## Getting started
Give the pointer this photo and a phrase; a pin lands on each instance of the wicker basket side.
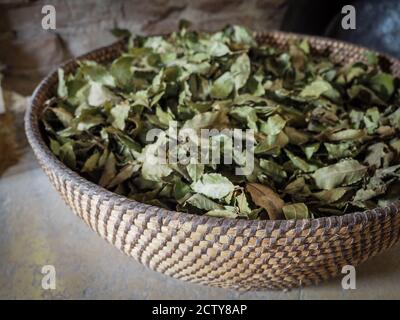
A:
(233, 255)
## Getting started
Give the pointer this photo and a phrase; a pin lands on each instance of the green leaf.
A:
(300, 163)
(195, 171)
(344, 173)
(383, 83)
(318, 88)
(298, 186)
(330, 196)
(55, 147)
(223, 86)
(218, 49)
(243, 36)
(164, 117)
(202, 120)
(64, 116)
(242, 204)
(363, 93)
(67, 154)
(201, 202)
(125, 173)
(372, 58)
(379, 155)
(295, 211)
(154, 165)
(110, 170)
(347, 135)
(247, 115)
(240, 70)
(213, 185)
(341, 150)
(120, 113)
(97, 73)
(274, 170)
(98, 95)
(378, 184)
(91, 163)
(62, 89)
(222, 214)
(274, 125)
(371, 119)
(181, 191)
(121, 70)
(272, 144)
(310, 149)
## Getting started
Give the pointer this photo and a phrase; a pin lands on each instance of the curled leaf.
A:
(266, 198)
(295, 211)
(213, 185)
(344, 173)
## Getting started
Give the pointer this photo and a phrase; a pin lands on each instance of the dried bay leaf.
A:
(219, 213)
(344, 173)
(300, 163)
(202, 202)
(242, 204)
(379, 155)
(240, 70)
(91, 163)
(274, 125)
(266, 198)
(383, 83)
(223, 86)
(123, 175)
(202, 120)
(213, 185)
(332, 195)
(63, 115)
(195, 170)
(67, 154)
(348, 134)
(295, 211)
(273, 170)
(110, 170)
(120, 113)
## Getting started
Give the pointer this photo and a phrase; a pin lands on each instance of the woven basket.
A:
(239, 254)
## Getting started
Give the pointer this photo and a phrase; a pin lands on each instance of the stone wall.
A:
(29, 52)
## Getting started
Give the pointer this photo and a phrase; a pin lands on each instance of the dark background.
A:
(378, 22)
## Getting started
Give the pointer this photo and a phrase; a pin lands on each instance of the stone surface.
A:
(37, 229)
(12, 134)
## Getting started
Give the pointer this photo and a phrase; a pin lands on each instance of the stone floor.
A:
(37, 228)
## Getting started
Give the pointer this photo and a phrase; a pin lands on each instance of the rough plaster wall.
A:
(29, 52)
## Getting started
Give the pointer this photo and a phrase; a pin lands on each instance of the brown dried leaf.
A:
(266, 198)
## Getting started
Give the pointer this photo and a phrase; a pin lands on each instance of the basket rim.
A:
(43, 152)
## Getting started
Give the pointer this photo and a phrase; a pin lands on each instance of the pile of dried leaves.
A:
(327, 135)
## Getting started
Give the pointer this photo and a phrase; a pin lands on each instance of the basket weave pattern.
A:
(239, 254)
